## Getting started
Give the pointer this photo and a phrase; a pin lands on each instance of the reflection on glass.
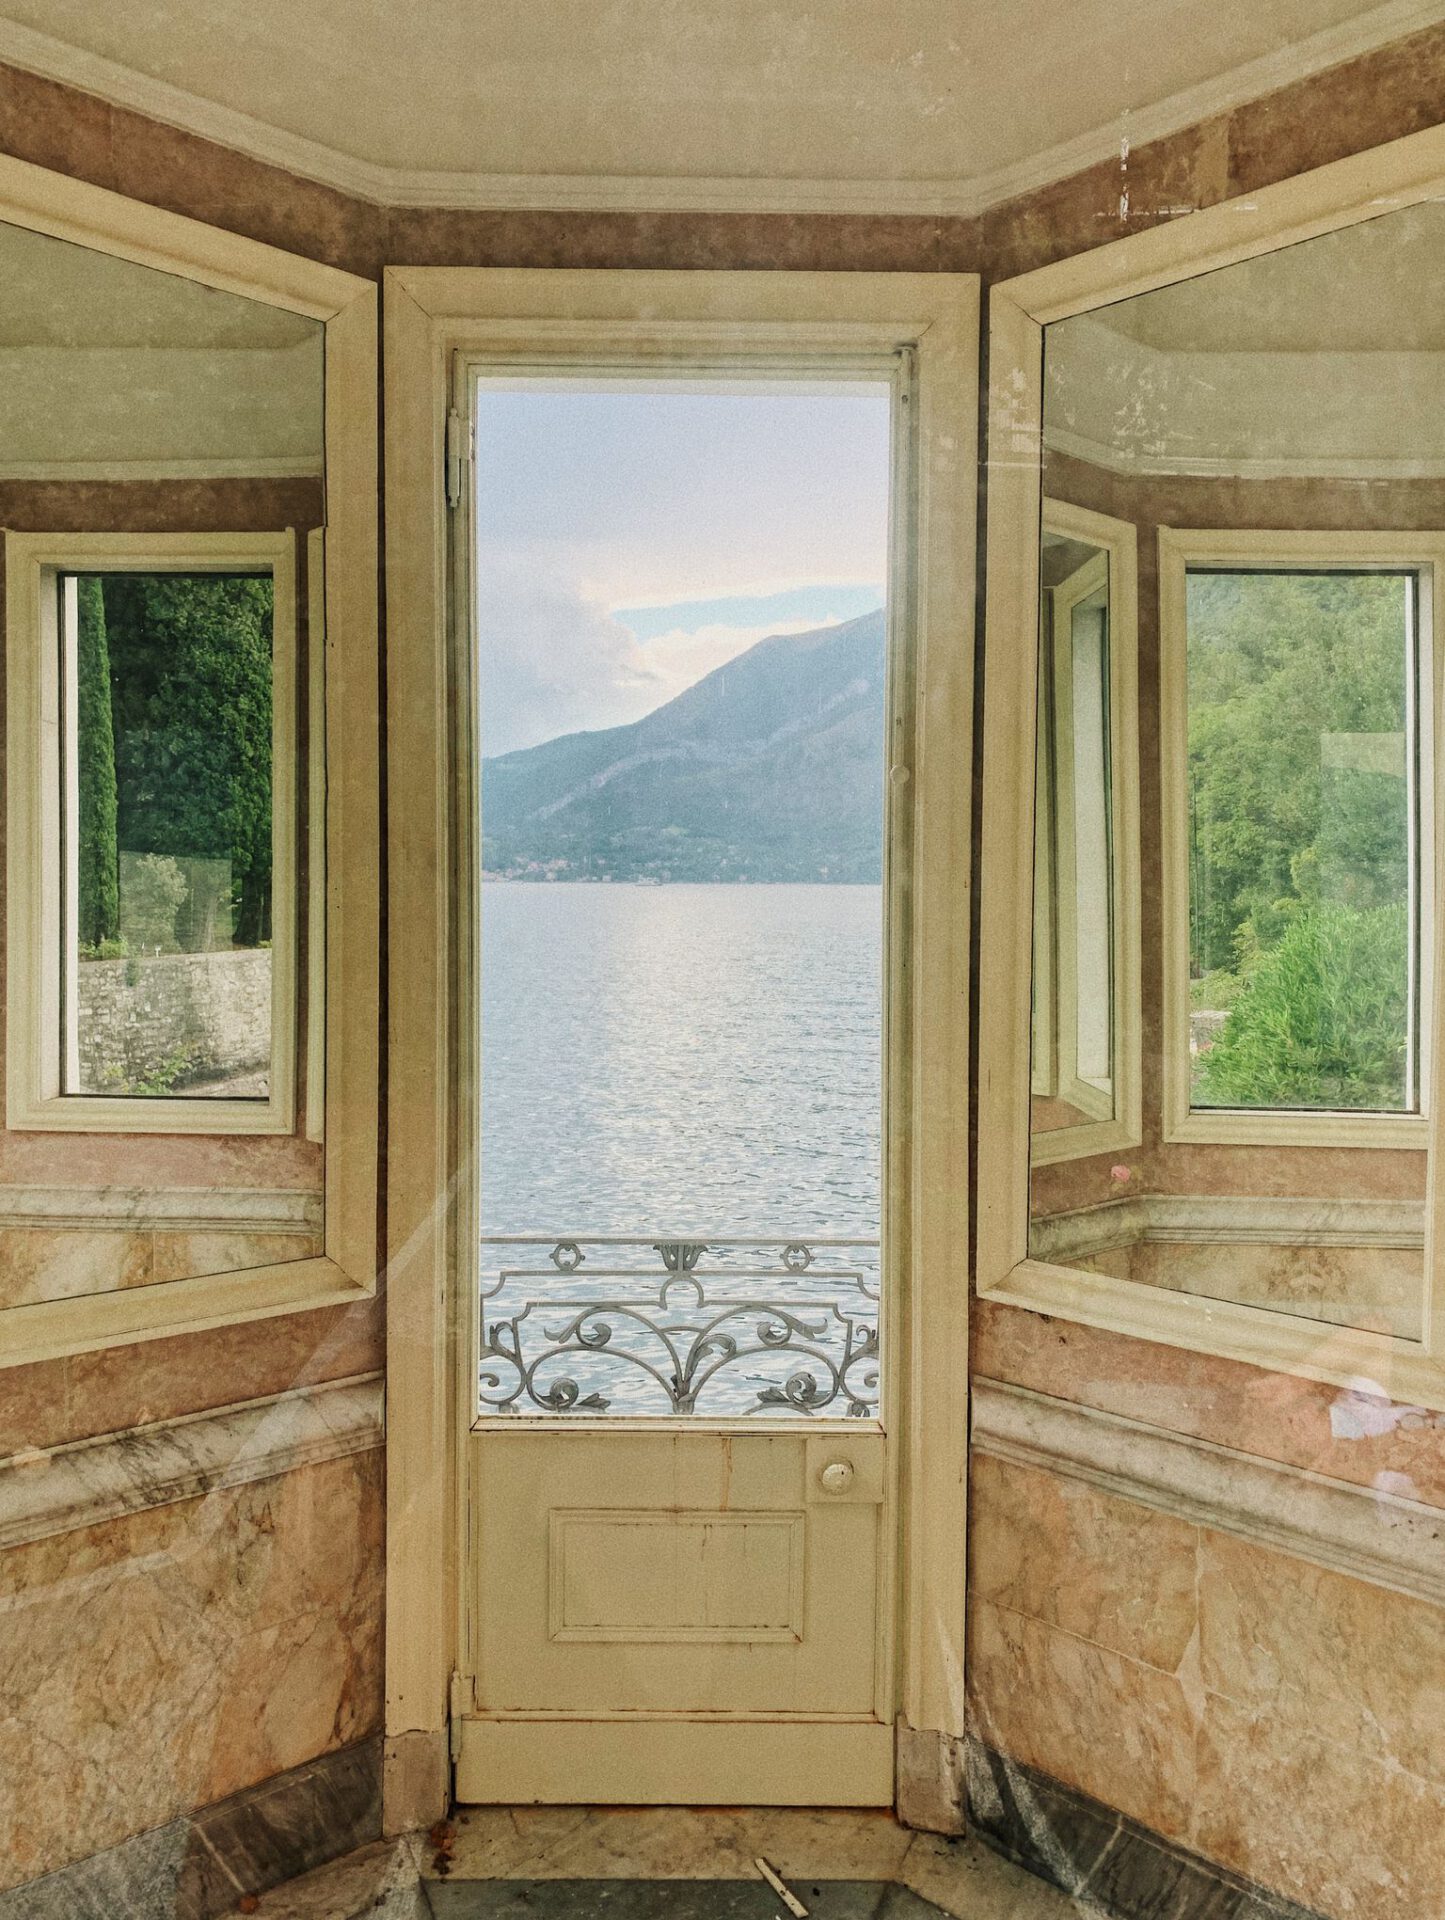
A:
(1272, 430)
(1303, 882)
(167, 813)
(1073, 1050)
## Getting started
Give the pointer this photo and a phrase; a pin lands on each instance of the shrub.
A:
(152, 889)
(1322, 1018)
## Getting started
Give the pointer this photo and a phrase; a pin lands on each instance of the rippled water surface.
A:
(680, 1059)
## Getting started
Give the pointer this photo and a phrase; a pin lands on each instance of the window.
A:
(157, 917)
(1085, 1024)
(1299, 748)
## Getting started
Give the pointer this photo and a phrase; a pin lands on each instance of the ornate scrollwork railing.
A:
(592, 1324)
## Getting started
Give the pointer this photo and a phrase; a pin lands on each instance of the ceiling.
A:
(866, 105)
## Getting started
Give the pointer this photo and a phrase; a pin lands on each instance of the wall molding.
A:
(46, 1491)
(125, 87)
(1364, 1532)
(166, 1209)
(1183, 466)
(1227, 1220)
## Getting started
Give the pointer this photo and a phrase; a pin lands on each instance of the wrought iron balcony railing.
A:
(637, 1325)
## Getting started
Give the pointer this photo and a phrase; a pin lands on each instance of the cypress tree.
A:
(192, 661)
(98, 903)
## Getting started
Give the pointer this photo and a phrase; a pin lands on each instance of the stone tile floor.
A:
(667, 1863)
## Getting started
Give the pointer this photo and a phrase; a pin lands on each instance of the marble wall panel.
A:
(1131, 1571)
(1113, 1727)
(157, 1663)
(1294, 1732)
(1378, 1288)
(62, 1263)
(55, 1401)
(58, 1263)
(1348, 1836)
(1361, 1666)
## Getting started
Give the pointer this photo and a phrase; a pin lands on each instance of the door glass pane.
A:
(682, 682)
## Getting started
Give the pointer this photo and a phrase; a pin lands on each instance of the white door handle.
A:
(836, 1477)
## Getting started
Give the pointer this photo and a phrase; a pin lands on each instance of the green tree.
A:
(1322, 1018)
(1297, 688)
(97, 900)
(192, 700)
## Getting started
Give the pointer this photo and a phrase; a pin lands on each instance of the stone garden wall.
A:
(174, 1016)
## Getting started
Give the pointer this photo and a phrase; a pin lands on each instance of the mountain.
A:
(768, 768)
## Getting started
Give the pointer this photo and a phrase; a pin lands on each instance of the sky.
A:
(629, 541)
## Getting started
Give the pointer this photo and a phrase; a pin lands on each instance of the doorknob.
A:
(843, 1470)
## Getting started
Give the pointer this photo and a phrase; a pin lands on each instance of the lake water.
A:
(681, 1063)
(680, 1059)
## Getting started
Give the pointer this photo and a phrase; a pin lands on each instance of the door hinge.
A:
(457, 453)
(459, 1705)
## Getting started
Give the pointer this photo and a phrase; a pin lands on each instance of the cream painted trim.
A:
(1405, 172)
(91, 216)
(772, 321)
(34, 1095)
(60, 1489)
(316, 834)
(677, 1762)
(172, 1209)
(1119, 540)
(41, 53)
(1178, 549)
(1365, 1532)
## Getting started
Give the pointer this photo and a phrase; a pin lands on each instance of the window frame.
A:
(38, 745)
(1321, 551)
(1118, 544)
(346, 306)
(1365, 186)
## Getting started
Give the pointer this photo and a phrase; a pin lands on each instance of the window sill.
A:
(51, 1329)
(1238, 1127)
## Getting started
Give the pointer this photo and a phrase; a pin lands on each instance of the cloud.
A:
(554, 661)
(550, 661)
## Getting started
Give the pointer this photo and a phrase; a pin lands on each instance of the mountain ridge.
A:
(768, 768)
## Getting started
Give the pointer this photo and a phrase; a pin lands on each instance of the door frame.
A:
(431, 314)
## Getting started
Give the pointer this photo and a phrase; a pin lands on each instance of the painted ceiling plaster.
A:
(836, 105)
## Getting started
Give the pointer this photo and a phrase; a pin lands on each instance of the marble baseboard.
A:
(1101, 1858)
(200, 1866)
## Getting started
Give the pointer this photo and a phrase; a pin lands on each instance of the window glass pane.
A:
(1302, 839)
(168, 701)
